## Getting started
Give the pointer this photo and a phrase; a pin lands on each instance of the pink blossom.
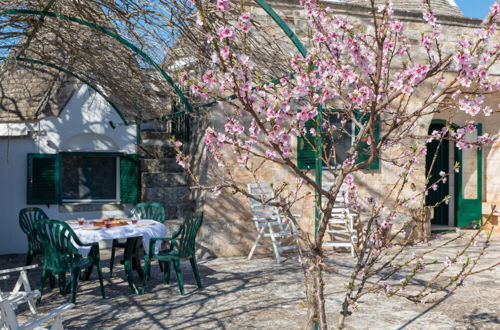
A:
(225, 33)
(223, 5)
(216, 192)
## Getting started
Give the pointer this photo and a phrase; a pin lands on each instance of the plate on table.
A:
(91, 228)
(143, 223)
(112, 222)
(71, 222)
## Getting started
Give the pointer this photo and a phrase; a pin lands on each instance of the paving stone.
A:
(259, 294)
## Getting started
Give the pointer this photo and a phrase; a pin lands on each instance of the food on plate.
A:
(112, 222)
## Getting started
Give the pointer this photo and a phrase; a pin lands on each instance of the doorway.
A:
(437, 159)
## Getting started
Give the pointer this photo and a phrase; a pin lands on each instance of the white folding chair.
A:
(9, 301)
(8, 320)
(268, 221)
(341, 231)
(16, 296)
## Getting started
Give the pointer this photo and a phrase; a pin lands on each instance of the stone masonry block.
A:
(151, 180)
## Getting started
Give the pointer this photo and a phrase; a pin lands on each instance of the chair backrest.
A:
(262, 192)
(27, 218)
(340, 209)
(187, 234)
(341, 199)
(58, 240)
(150, 211)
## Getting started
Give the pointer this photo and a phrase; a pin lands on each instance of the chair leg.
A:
(75, 276)
(112, 260)
(29, 258)
(275, 245)
(166, 272)
(42, 284)
(259, 236)
(52, 280)
(147, 267)
(62, 284)
(99, 274)
(178, 275)
(194, 265)
(161, 265)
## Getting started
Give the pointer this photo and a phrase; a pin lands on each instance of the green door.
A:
(437, 159)
(468, 182)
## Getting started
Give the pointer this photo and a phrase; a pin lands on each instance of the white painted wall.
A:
(82, 126)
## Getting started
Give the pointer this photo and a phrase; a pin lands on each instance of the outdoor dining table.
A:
(143, 230)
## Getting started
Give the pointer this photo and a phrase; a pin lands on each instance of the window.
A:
(338, 143)
(83, 177)
(89, 178)
(342, 140)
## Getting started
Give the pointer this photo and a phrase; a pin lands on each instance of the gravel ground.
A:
(259, 294)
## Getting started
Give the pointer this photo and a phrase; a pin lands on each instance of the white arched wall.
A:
(84, 126)
(90, 142)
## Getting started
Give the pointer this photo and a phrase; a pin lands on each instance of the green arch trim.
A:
(53, 66)
(110, 33)
(282, 24)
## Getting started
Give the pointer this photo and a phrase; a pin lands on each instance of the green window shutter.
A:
(43, 179)
(306, 155)
(129, 179)
(363, 147)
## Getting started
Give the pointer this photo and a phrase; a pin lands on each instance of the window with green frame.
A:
(83, 177)
(306, 150)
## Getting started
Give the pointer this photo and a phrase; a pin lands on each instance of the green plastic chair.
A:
(182, 246)
(27, 219)
(61, 256)
(150, 211)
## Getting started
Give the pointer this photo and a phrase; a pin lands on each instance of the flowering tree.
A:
(368, 85)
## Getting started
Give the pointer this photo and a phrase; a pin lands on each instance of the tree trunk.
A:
(314, 285)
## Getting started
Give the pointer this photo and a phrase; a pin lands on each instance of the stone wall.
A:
(162, 179)
(228, 228)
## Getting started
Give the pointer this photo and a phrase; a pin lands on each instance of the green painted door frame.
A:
(469, 208)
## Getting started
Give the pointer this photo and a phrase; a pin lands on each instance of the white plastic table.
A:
(144, 229)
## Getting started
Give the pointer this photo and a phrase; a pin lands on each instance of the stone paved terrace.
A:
(258, 294)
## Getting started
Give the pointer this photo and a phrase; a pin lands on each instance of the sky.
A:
(475, 8)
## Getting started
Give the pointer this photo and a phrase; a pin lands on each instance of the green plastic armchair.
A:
(61, 256)
(27, 218)
(182, 246)
(150, 211)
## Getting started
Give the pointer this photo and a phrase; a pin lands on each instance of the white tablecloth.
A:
(153, 229)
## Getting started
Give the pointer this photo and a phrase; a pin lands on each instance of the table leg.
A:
(129, 264)
(136, 258)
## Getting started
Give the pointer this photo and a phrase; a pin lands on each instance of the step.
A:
(178, 210)
(169, 195)
(160, 165)
(337, 243)
(156, 151)
(155, 135)
(151, 180)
